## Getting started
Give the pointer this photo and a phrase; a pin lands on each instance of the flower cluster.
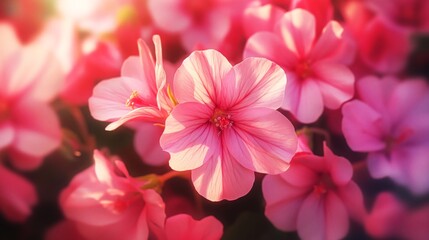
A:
(190, 119)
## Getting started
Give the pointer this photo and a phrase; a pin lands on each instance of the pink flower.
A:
(201, 24)
(317, 75)
(30, 79)
(17, 196)
(65, 230)
(183, 227)
(140, 94)
(105, 202)
(390, 218)
(226, 126)
(390, 122)
(315, 196)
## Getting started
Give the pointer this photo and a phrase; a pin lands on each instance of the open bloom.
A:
(315, 65)
(105, 202)
(226, 126)
(29, 78)
(183, 227)
(140, 94)
(390, 121)
(315, 196)
(17, 196)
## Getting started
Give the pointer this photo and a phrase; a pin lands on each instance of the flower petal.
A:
(303, 99)
(336, 83)
(362, 127)
(297, 28)
(262, 140)
(7, 133)
(188, 136)
(328, 41)
(146, 144)
(222, 177)
(198, 78)
(270, 46)
(147, 114)
(255, 82)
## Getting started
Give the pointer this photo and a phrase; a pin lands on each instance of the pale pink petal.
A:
(256, 82)
(303, 99)
(297, 29)
(9, 43)
(270, 46)
(341, 169)
(146, 144)
(162, 97)
(337, 219)
(148, 114)
(103, 168)
(169, 15)
(17, 196)
(336, 83)
(37, 129)
(141, 68)
(328, 41)
(37, 74)
(183, 226)
(198, 78)
(222, 177)
(189, 137)
(362, 127)
(375, 91)
(108, 101)
(311, 221)
(7, 133)
(261, 18)
(262, 140)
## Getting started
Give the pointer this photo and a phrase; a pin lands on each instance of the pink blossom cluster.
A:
(217, 119)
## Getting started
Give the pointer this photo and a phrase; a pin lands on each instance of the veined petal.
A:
(147, 114)
(256, 82)
(141, 68)
(298, 29)
(109, 98)
(222, 177)
(362, 127)
(189, 137)
(199, 77)
(262, 140)
(270, 46)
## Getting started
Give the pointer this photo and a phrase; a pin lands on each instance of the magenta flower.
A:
(317, 75)
(17, 196)
(390, 121)
(315, 196)
(183, 227)
(30, 79)
(105, 202)
(226, 126)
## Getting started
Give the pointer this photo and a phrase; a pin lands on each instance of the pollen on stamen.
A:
(134, 101)
(221, 120)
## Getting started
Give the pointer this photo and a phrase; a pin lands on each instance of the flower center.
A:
(392, 141)
(303, 70)
(134, 101)
(324, 185)
(221, 119)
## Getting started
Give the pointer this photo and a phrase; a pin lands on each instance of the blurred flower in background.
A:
(196, 118)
